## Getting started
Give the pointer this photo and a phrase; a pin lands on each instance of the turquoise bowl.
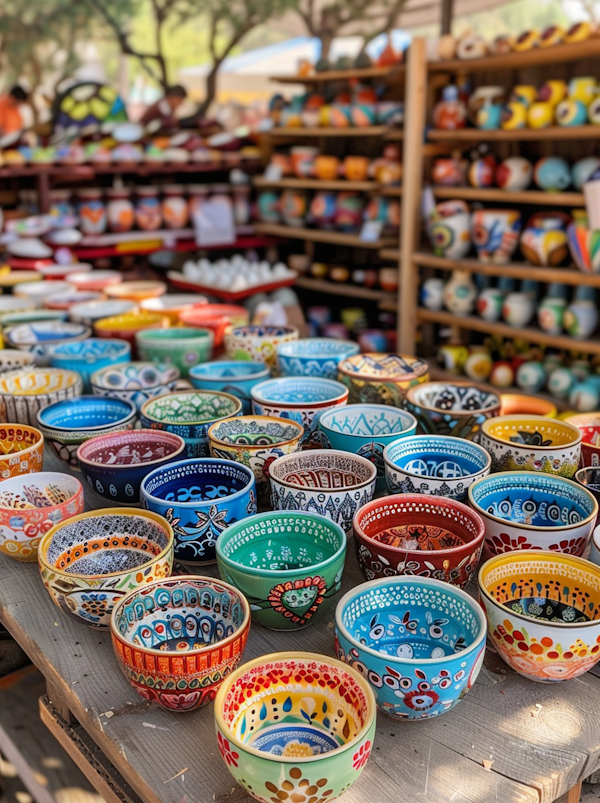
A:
(288, 565)
(314, 356)
(88, 356)
(366, 429)
(419, 642)
(237, 378)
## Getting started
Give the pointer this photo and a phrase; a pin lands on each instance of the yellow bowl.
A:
(136, 291)
(128, 323)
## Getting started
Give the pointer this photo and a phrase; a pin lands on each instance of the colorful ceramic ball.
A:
(593, 112)
(582, 170)
(560, 382)
(571, 112)
(531, 376)
(502, 375)
(514, 173)
(552, 174)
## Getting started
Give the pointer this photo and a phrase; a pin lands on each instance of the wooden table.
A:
(538, 741)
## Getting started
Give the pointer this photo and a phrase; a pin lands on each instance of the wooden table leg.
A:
(573, 795)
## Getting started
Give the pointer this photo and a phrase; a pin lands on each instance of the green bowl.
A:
(182, 347)
(288, 564)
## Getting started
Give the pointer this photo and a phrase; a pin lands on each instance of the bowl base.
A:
(293, 740)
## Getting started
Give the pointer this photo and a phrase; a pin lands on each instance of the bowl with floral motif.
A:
(415, 534)
(136, 382)
(237, 378)
(374, 378)
(182, 347)
(200, 498)
(176, 640)
(115, 464)
(328, 482)
(26, 391)
(92, 560)
(314, 356)
(543, 612)
(295, 726)
(419, 642)
(39, 337)
(88, 356)
(589, 426)
(438, 465)
(531, 510)
(257, 343)
(21, 450)
(532, 443)
(31, 505)
(457, 409)
(189, 414)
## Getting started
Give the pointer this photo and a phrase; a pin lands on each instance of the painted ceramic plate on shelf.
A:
(127, 132)
(181, 282)
(29, 248)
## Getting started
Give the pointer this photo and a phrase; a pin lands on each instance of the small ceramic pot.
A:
(581, 319)
(321, 210)
(550, 314)
(119, 210)
(314, 356)
(459, 293)
(135, 381)
(294, 206)
(552, 174)
(303, 160)
(432, 291)
(450, 236)
(583, 89)
(495, 234)
(540, 115)
(489, 303)
(348, 211)
(518, 309)
(514, 116)
(269, 207)
(481, 172)
(514, 174)
(448, 172)
(236, 378)
(175, 211)
(88, 356)
(258, 343)
(583, 170)
(148, 211)
(21, 449)
(450, 113)
(327, 167)
(458, 409)
(553, 92)
(374, 378)
(356, 168)
(24, 392)
(181, 347)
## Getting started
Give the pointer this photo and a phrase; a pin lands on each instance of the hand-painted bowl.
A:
(135, 381)
(181, 347)
(189, 414)
(10, 320)
(589, 477)
(458, 409)
(543, 612)
(14, 358)
(39, 338)
(89, 312)
(200, 498)
(530, 510)
(258, 343)
(295, 726)
(437, 465)
(94, 559)
(589, 426)
(26, 391)
(173, 305)
(31, 505)
(176, 640)
(21, 450)
(328, 482)
(37, 291)
(67, 424)
(316, 356)
(365, 430)
(115, 464)
(594, 556)
(216, 317)
(381, 378)
(68, 299)
(532, 443)
(136, 291)
(125, 327)
(301, 399)
(288, 565)
(420, 643)
(255, 441)
(89, 356)
(237, 378)
(418, 535)
(95, 280)
(517, 404)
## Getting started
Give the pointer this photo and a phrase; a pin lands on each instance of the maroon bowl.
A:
(429, 536)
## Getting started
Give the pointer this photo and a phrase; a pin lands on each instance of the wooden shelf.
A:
(349, 290)
(317, 184)
(320, 236)
(82, 172)
(395, 134)
(554, 132)
(533, 197)
(504, 330)
(393, 190)
(391, 254)
(326, 131)
(394, 73)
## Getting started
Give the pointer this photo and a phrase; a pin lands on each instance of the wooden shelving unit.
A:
(345, 290)
(317, 184)
(529, 197)
(320, 236)
(388, 74)
(390, 254)
(553, 132)
(326, 131)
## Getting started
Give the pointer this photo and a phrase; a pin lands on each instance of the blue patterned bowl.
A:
(366, 429)
(38, 337)
(458, 408)
(419, 642)
(67, 424)
(315, 356)
(88, 356)
(200, 499)
(135, 381)
(437, 465)
(237, 378)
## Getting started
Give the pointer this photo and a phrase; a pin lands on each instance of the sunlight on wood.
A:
(74, 794)
(6, 769)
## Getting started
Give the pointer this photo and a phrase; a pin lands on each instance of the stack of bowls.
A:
(88, 356)
(136, 382)
(381, 378)
(21, 450)
(26, 391)
(457, 409)
(315, 356)
(237, 378)
(181, 347)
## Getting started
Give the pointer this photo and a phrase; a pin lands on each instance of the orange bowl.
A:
(516, 404)
(216, 317)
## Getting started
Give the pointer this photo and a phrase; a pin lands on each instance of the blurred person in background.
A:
(11, 103)
(164, 109)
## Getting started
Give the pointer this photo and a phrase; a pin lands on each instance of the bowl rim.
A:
(411, 580)
(103, 513)
(582, 469)
(380, 408)
(262, 372)
(257, 396)
(263, 419)
(73, 380)
(58, 476)
(144, 318)
(317, 452)
(507, 398)
(143, 412)
(541, 419)
(535, 554)
(529, 475)
(88, 398)
(122, 346)
(284, 574)
(84, 333)
(171, 334)
(146, 363)
(459, 441)
(412, 392)
(345, 345)
(39, 442)
(190, 578)
(215, 312)
(156, 435)
(203, 461)
(594, 421)
(308, 657)
(248, 329)
(174, 306)
(422, 368)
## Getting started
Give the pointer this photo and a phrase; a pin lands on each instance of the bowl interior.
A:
(129, 448)
(192, 407)
(589, 478)
(456, 398)
(17, 438)
(255, 432)
(85, 413)
(441, 458)
(40, 490)
(298, 390)
(367, 421)
(381, 366)
(135, 376)
(45, 331)
(91, 349)
(329, 471)
(228, 370)
(313, 348)
(190, 481)
(531, 432)
(168, 335)
(35, 381)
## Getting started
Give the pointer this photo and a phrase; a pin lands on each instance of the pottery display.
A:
(550, 314)
(39, 337)
(288, 565)
(458, 408)
(88, 356)
(135, 381)
(21, 450)
(216, 317)
(374, 378)
(182, 347)
(581, 318)
(514, 174)
(148, 210)
(589, 426)
(584, 245)
(450, 235)
(180, 667)
(313, 356)
(26, 391)
(420, 643)
(495, 234)
(544, 239)
(258, 343)
(119, 210)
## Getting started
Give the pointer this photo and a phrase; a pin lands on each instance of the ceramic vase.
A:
(489, 304)
(518, 309)
(459, 293)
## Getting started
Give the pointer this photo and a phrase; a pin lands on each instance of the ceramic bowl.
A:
(94, 559)
(255, 441)
(180, 666)
(189, 414)
(89, 312)
(135, 381)
(216, 317)
(173, 305)
(516, 404)
(181, 347)
(437, 465)
(136, 291)
(31, 505)
(328, 482)
(68, 299)
(26, 391)
(11, 304)
(14, 358)
(67, 424)
(125, 327)
(594, 555)
(530, 510)
(418, 535)
(38, 338)
(543, 612)
(420, 643)
(10, 320)
(236, 378)
(308, 753)
(288, 565)
(95, 280)
(458, 408)
(60, 271)
(532, 443)
(316, 356)
(88, 356)
(589, 426)
(38, 291)
(21, 450)
(200, 498)
(300, 399)
(115, 464)
(258, 343)
(381, 378)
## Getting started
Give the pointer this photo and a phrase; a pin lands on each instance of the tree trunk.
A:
(211, 89)
(326, 40)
